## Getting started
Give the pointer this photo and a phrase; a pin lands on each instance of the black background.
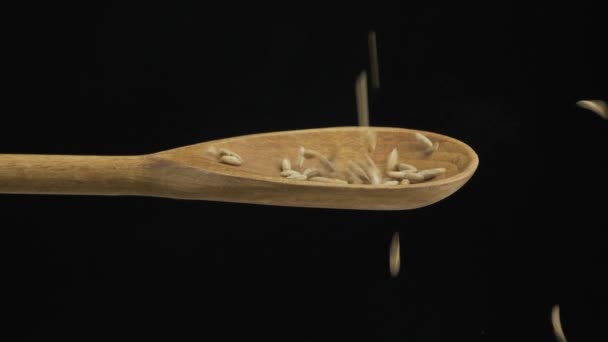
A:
(485, 264)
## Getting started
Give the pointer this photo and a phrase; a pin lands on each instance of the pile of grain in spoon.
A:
(363, 170)
(312, 165)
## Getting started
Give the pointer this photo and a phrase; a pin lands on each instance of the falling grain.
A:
(300, 159)
(431, 149)
(298, 176)
(393, 159)
(394, 260)
(557, 324)
(372, 170)
(308, 154)
(328, 180)
(231, 160)
(373, 59)
(352, 178)
(406, 167)
(311, 172)
(390, 182)
(358, 170)
(288, 173)
(396, 174)
(432, 173)
(213, 150)
(229, 153)
(285, 165)
(409, 175)
(362, 99)
(413, 177)
(426, 142)
(599, 107)
(370, 140)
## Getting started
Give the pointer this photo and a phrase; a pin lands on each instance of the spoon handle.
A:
(77, 175)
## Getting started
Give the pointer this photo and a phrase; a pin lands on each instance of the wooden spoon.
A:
(191, 172)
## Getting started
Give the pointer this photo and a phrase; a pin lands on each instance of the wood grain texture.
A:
(191, 172)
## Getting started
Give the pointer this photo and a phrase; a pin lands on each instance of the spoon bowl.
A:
(257, 180)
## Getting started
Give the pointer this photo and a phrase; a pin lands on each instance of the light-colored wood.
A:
(191, 172)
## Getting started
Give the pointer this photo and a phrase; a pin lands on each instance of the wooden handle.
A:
(78, 175)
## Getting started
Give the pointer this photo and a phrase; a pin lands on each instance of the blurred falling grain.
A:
(373, 59)
(395, 256)
(362, 99)
(557, 324)
(599, 107)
